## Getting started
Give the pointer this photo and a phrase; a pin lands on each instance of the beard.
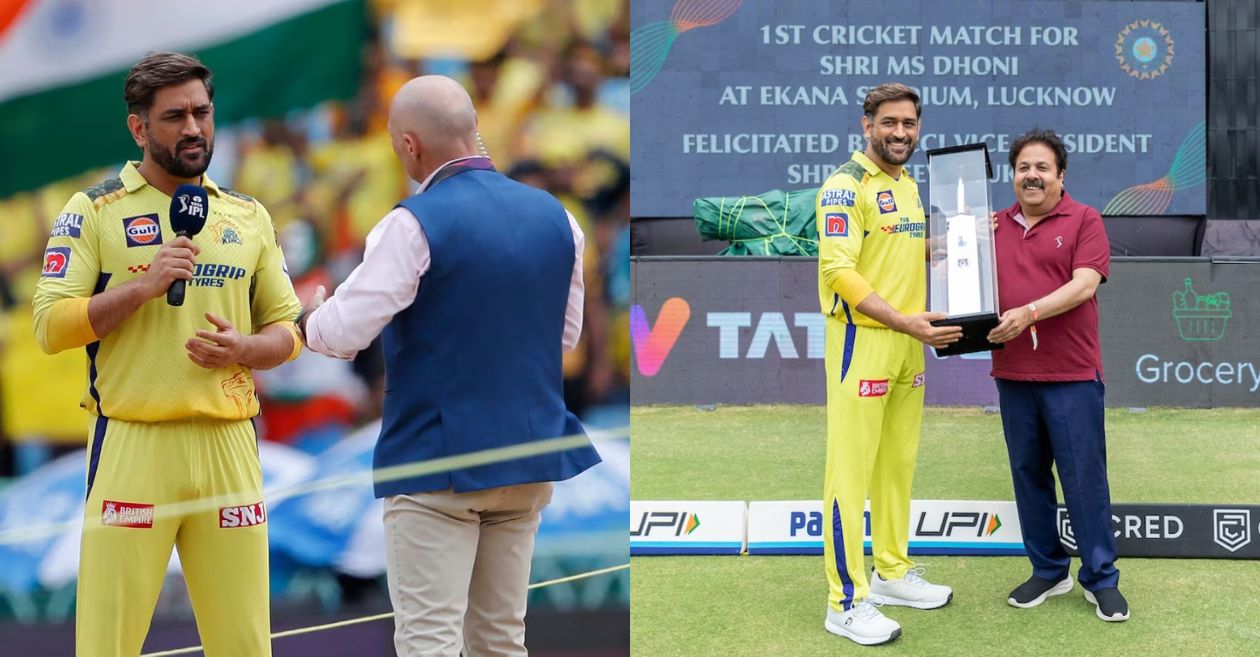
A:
(171, 162)
(882, 150)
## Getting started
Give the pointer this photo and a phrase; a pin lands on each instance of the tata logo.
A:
(142, 230)
(652, 344)
(242, 516)
(1231, 528)
(969, 523)
(669, 523)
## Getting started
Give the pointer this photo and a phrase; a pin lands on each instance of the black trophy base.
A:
(975, 334)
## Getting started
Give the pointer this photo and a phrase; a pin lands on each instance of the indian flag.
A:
(63, 63)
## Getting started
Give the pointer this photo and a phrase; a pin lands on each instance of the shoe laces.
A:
(914, 577)
(866, 610)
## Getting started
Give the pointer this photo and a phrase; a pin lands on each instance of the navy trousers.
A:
(1061, 424)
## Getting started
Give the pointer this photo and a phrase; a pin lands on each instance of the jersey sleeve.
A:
(273, 297)
(841, 230)
(70, 275)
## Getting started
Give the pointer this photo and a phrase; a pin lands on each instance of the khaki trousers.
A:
(459, 569)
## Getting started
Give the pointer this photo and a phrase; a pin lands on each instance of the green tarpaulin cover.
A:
(773, 223)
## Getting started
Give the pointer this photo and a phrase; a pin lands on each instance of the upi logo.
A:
(1200, 317)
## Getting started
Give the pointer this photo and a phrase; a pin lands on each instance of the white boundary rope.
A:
(367, 619)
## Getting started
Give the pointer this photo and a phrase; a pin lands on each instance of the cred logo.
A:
(653, 344)
(242, 516)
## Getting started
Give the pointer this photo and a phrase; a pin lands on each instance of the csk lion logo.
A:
(240, 389)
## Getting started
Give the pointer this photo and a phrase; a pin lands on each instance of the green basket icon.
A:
(1200, 318)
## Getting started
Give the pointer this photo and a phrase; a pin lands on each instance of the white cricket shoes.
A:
(863, 623)
(909, 591)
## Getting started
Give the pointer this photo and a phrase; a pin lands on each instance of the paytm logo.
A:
(810, 524)
(652, 344)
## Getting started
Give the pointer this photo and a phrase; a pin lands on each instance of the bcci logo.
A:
(1066, 537)
(1144, 49)
(1231, 528)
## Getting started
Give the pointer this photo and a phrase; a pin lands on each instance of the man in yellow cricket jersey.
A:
(872, 284)
(173, 458)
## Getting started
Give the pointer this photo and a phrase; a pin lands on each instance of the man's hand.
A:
(920, 328)
(993, 222)
(215, 349)
(316, 301)
(1011, 324)
(173, 261)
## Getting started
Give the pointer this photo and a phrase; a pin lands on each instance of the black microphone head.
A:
(189, 206)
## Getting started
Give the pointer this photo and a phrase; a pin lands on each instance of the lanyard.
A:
(477, 163)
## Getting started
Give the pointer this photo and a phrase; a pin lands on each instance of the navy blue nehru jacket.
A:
(474, 362)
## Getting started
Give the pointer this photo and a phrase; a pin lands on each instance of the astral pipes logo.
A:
(653, 344)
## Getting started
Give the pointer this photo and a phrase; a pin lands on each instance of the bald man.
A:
(475, 283)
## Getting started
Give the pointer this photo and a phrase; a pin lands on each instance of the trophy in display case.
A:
(963, 267)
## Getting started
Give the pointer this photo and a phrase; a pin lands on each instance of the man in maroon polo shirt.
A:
(1052, 253)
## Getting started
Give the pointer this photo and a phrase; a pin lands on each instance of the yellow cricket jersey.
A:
(108, 235)
(873, 225)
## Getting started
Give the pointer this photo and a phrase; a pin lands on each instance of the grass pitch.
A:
(770, 606)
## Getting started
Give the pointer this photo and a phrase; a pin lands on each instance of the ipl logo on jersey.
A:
(143, 230)
(885, 202)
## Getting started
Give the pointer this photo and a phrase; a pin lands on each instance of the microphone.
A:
(188, 217)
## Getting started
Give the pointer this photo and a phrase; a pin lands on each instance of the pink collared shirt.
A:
(396, 257)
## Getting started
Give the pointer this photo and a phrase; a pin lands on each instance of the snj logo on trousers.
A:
(242, 516)
(652, 344)
(126, 514)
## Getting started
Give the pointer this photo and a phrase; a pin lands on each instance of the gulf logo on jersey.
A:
(886, 203)
(56, 262)
(872, 388)
(242, 516)
(837, 224)
(142, 230)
